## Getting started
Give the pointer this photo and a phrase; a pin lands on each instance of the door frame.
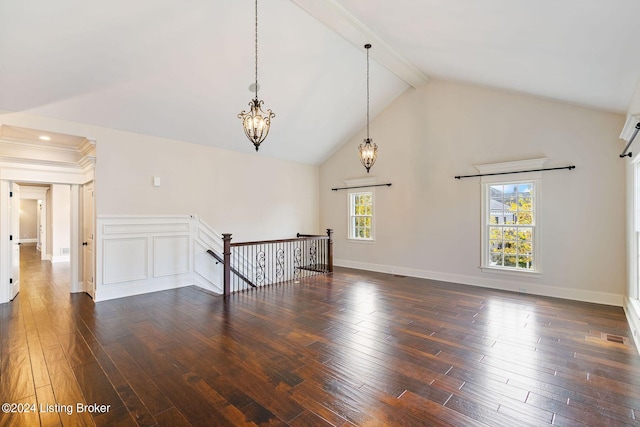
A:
(39, 194)
(35, 172)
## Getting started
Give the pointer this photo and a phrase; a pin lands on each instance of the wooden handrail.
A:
(216, 256)
(295, 239)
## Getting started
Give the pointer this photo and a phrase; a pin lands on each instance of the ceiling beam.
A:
(336, 17)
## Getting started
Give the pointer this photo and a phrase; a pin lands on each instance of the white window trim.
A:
(634, 267)
(357, 182)
(485, 182)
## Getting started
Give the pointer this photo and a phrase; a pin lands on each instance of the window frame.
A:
(351, 215)
(535, 178)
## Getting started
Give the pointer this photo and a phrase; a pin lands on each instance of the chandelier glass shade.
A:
(368, 153)
(368, 150)
(256, 122)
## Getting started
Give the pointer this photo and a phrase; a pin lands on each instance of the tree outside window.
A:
(361, 216)
(511, 226)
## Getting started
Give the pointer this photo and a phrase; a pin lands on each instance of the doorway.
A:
(62, 162)
(45, 231)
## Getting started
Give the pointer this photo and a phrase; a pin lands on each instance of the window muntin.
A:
(511, 226)
(361, 216)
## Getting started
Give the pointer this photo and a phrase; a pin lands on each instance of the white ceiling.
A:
(181, 70)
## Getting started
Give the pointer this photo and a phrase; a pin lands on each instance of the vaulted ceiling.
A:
(182, 69)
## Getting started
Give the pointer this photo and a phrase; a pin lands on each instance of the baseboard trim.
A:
(500, 284)
(61, 258)
(632, 312)
(127, 289)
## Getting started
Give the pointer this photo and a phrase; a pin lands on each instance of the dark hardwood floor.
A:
(354, 348)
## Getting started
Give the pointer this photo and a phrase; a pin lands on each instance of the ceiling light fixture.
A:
(368, 150)
(256, 123)
(44, 138)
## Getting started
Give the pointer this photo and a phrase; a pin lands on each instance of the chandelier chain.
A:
(256, 49)
(367, 93)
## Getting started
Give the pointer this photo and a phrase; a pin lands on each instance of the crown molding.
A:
(5, 160)
(336, 17)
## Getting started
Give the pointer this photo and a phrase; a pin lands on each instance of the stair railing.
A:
(255, 264)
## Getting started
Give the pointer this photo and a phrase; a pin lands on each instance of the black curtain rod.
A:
(635, 132)
(362, 186)
(506, 173)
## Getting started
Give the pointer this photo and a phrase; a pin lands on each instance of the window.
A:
(510, 226)
(361, 216)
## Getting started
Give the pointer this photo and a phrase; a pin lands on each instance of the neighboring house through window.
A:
(511, 225)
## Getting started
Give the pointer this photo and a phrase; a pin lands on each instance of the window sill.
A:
(521, 273)
(368, 241)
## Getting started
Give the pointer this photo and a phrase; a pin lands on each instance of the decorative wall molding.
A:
(499, 284)
(514, 166)
(127, 259)
(138, 254)
(629, 126)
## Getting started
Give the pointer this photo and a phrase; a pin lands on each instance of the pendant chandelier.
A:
(256, 123)
(368, 150)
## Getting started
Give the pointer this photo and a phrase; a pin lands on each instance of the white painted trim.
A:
(61, 258)
(33, 193)
(512, 272)
(75, 243)
(514, 166)
(28, 240)
(629, 126)
(5, 246)
(632, 312)
(355, 182)
(486, 182)
(126, 289)
(336, 17)
(350, 193)
(493, 283)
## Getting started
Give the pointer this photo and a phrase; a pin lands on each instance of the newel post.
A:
(330, 250)
(226, 240)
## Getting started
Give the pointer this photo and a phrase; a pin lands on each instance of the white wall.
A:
(28, 220)
(248, 195)
(428, 223)
(61, 222)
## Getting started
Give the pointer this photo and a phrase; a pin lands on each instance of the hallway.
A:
(30, 327)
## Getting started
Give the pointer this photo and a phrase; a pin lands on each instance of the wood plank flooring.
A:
(353, 348)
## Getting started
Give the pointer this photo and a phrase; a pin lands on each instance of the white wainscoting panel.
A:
(207, 267)
(171, 255)
(126, 259)
(141, 254)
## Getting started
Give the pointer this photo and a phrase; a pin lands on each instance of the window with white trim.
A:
(510, 224)
(361, 215)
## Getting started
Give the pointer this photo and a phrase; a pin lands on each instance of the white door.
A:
(87, 239)
(14, 238)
